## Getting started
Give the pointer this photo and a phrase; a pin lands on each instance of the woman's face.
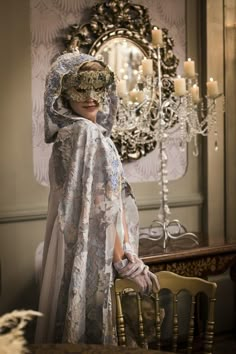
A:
(87, 109)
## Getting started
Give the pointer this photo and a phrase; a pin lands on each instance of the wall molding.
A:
(23, 214)
(40, 213)
(188, 200)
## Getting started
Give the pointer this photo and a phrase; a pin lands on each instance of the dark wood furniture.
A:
(185, 258)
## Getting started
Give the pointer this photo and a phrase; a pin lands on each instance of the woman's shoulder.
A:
(79, 126)
(85, 123)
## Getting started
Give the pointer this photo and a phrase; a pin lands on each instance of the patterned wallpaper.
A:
(49, 20)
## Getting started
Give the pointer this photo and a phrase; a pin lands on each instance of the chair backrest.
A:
(133, 310)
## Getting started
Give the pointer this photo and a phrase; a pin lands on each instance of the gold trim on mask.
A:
(78, 96)
(89, 80)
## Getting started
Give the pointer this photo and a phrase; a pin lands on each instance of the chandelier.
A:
(147, 106)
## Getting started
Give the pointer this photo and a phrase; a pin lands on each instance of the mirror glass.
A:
(124, 57)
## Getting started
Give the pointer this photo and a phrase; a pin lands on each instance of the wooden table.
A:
(185, 258)
(87, 349)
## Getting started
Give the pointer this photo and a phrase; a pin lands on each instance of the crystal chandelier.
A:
(148, 109)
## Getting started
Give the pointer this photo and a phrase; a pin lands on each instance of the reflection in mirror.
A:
(124, 57)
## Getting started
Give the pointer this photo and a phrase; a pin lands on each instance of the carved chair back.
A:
(140, 317)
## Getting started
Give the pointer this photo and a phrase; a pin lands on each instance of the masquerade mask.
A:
(87, 84)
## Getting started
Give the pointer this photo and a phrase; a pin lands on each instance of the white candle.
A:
(157, 37)
(147, 66)
(212, 88)
(195, 93)
(133, 95)
(121, 88)
(189, 68)
(140, 96)
(180, 86)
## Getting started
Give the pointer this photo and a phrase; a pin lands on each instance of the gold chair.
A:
(149, 332)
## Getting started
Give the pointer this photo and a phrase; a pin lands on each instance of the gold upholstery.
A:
(192, 287)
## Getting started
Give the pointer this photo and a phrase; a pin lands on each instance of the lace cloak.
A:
(88, 194)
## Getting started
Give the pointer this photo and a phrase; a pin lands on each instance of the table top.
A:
(152, 251)
(87, 349)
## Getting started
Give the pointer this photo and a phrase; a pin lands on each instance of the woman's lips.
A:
(90, 106)
(91, 109)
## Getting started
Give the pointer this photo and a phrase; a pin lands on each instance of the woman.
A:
(92, 226)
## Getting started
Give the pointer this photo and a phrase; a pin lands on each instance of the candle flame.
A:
(189, 59)
(211, 79)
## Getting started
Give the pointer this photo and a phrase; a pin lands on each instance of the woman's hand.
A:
(144, 283)
(138, 272)
(132, 268)
(155, 281)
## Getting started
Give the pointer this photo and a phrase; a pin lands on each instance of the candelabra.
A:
(194, 116)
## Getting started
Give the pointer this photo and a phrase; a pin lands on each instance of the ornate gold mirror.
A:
(119, 32)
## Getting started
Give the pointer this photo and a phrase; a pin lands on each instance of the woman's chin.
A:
(91, 116)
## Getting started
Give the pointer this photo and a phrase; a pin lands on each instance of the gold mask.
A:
(87, 84)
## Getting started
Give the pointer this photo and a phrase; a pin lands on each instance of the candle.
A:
(121, 88)
(133, 95)
(180, 86)
(212, 88)
(147, 67)
(189, 68)
(195, 93)
(157, 37)
(140, 96)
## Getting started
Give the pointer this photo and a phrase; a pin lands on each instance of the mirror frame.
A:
(122, 19)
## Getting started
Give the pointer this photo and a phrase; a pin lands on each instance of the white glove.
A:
(132, 267)
(126, 269)
(155, 281)
(129, 252)
(139, 273)
(144, 283)
(147, 280)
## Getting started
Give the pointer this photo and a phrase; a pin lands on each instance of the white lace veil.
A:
(56, 113)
